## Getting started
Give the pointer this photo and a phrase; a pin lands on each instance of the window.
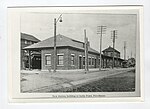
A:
(99, 61)
(83, 60)
(47, 59)
(72, 59)
(89, 61)
(25, 52)
(111, 54)
(25, 41)
(60, 59)
(92, 61)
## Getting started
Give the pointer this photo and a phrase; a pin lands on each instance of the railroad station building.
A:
(25, 41)
(70, 54)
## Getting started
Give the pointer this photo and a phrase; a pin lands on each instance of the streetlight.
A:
(55, 52)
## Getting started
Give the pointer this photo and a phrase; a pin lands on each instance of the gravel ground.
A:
(116, 83)
(62, 81)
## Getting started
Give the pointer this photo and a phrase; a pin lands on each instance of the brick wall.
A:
(59, 51)
(67, 58)
(106, 62)
(77, 54)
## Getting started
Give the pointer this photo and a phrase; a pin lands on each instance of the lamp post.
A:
(55, 52)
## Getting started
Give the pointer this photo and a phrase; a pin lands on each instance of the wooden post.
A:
(87, 45)
(29, 60)
(100, 56)
(124, 50)
(86, 51)
(114, 37)
(101, 30)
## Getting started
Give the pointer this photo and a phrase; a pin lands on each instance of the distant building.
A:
(109, 52)
(27, 40)
(70, 54)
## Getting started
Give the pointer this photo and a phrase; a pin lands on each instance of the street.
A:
(75, 80)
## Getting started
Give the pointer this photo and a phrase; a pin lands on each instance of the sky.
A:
(41, 25)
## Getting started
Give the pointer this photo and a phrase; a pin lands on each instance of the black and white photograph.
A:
(77, 52)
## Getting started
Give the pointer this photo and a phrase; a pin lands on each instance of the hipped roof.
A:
(110, 49)
(61, 41)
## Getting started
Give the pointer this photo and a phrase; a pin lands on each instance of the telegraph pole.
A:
(86, 51)
(114, 36)
(124, 50)
(101, 30)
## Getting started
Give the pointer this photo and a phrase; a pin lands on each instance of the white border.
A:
(12, 45)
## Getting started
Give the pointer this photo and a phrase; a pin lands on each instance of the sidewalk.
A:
(59, 71)
(62, 71)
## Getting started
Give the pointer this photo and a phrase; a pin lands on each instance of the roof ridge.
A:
(70, 38)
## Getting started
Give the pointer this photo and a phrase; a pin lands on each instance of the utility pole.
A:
(101, 30)
(86, 51)
(55, 52)
(114, 36)
(124, 50)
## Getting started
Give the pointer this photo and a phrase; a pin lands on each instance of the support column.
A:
(29, 60)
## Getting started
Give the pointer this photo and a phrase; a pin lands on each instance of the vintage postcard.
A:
(75, 53)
